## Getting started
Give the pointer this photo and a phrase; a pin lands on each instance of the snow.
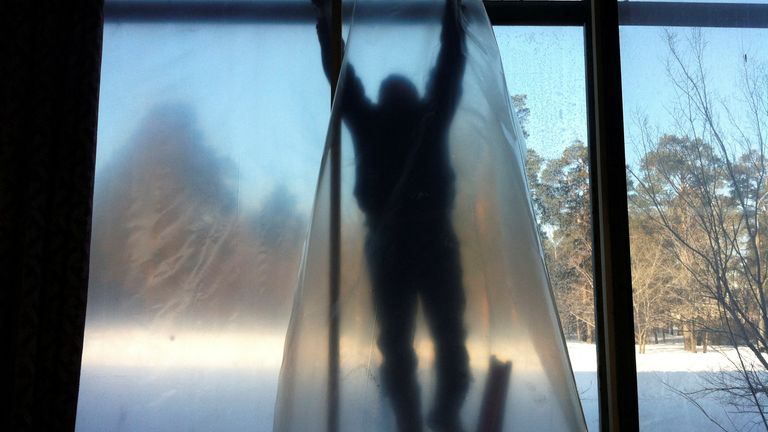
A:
(662, 368)
(221, 394)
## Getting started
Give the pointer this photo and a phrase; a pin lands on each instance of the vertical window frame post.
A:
(334, 261)
(617, 376)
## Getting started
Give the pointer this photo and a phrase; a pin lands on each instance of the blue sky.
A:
(546, 63)
(248, 83)
(647, 90)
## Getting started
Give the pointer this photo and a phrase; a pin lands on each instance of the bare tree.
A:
(705, 186)
(654, 281)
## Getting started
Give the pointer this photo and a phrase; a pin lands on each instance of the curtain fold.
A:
(50, 72)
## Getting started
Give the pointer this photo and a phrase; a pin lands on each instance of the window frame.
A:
(600, 19)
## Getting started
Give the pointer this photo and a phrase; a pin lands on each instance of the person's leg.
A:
(442, 297)
(395, 304)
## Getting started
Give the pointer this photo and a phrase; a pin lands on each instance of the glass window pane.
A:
(695, 125)
(209, 144)
(544, 68)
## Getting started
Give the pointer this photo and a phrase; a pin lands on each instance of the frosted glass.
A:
(442, 273)
(209, 145)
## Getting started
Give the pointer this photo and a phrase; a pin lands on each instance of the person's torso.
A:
(403, 167)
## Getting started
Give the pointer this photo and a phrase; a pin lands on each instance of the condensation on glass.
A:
(445, 316)
(209, 145)
(545, 75)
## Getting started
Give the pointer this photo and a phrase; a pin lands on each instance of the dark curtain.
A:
(49, 69)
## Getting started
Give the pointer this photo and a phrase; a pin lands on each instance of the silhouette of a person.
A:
(405, 187)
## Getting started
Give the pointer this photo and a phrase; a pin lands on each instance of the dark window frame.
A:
(600, 19)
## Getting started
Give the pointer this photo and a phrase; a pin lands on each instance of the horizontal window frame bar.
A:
(537, 13)
(189, 11)
(674, 14)
(520, 13)
(296, 12)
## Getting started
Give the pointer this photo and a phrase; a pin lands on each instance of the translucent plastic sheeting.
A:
(442, 286)
(209, 146)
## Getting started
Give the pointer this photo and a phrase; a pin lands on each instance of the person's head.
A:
(397, 93)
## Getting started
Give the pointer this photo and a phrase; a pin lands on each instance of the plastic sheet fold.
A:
(445, 316)
(210, 137)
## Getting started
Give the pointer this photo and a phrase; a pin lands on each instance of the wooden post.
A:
(494, 396)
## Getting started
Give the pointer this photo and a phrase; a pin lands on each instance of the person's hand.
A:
(320, 8)
(454, 10)
(456, 6)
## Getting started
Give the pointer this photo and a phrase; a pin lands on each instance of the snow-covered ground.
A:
(211, 384)
(662, 368)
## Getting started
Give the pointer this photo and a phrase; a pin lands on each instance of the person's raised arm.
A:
(354, 102)
(324, 37)
(444, 87)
